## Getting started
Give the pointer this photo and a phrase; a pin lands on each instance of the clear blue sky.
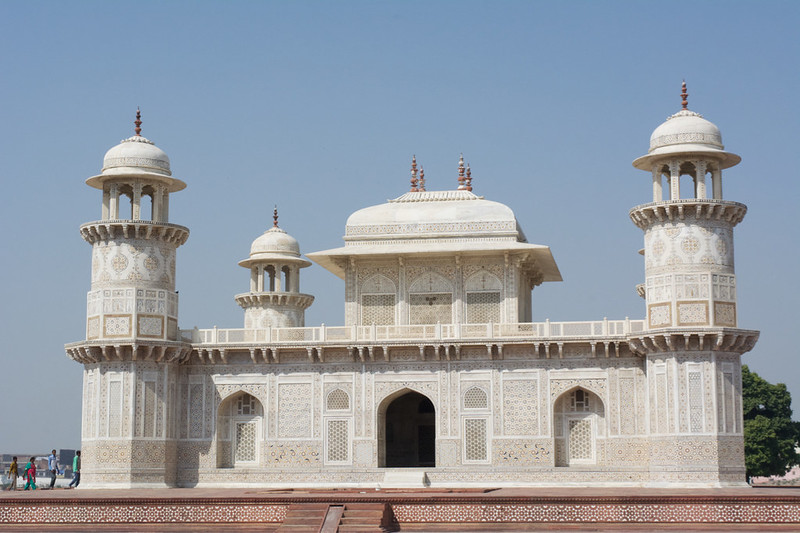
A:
(318, 107)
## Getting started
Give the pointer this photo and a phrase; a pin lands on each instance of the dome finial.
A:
(468, 180)
(461, 173)
(414, 180)
(421, 179)
(275, 217)
(684, 96)
(138, 122)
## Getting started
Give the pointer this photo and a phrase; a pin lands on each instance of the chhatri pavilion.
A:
(438, 376)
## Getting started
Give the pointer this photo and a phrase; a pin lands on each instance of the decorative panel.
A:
(475, 435)
(520, 407)
(476, 398)
(337, 441)
(294, 410)
(377, 309)
(431, 308)
(245, 450)
(337, 400)
(483, 307)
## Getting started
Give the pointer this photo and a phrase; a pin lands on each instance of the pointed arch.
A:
(578, 423)
(406, 429)
(239, 429)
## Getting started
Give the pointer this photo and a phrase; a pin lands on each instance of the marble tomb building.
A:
(438, 376)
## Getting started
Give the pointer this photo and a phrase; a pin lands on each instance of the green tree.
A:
(770, 436)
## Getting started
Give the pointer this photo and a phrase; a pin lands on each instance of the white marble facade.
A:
(438, 371)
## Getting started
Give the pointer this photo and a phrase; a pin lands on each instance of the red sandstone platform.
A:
(505, 509)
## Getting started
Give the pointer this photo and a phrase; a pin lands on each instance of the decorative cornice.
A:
(646, 215)
(672, 340)
(105, 230)
(87, 352)
(284, 299)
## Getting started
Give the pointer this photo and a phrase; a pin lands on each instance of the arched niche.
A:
(578, 425)
(240, 426)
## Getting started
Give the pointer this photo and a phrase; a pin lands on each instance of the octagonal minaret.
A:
(691, 343)
(274, 299)
(688, 242)
(132, 346)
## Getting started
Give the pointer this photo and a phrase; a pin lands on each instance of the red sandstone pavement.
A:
(789, 495)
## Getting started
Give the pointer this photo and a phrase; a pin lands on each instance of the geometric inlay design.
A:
(338, 400)
(476, 398)
(580, 440)
(660, 315)
(725, 314)
(475, 439)
(151, 326)
(245, 442)
(431, 308)
(483, 307)
(692, 313)
(117, 325)
(377, 309)
(337, 441)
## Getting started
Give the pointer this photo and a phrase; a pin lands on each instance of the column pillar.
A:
(658, 193)
(716, 181)
(674, 180)
(700, 178)
(106, 203)
(137, 201)
(278, 273)
(165, 206)
(113, 213)
(254, 279)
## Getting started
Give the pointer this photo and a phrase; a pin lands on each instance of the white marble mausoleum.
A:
(438, 376)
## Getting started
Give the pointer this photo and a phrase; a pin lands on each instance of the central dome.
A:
(432, 214)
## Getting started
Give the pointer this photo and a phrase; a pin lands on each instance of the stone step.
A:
(305, 517)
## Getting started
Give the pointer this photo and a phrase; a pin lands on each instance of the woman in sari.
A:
(30, 474)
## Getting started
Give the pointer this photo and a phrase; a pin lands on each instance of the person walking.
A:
(76, 471)
(13, 472)
(52, 466)
(30, 474)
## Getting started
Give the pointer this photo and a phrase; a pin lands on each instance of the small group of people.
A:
(29, 472)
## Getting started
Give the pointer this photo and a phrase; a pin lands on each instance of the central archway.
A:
(408, 432)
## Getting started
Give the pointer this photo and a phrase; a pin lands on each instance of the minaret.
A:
(132, 344)
(691, 342)
(274, 299)
(688, 246)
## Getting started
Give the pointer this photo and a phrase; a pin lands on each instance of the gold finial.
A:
(414, 180)
(684, 96)
(468, 180)
(461, 173)
(421, 179)
(138, 122)
(275, 217)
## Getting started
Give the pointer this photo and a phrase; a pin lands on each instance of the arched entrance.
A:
(408, 432)
(239, 429)
(579, 420)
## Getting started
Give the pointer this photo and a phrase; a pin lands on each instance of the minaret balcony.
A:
(274, 298)
(104, 230)
(646, 215)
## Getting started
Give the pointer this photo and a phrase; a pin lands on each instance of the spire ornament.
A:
(275, 217)
(421, 179)
(468, 180)
(684, 96)
(414, 180)
(138, 122)
(461, 178)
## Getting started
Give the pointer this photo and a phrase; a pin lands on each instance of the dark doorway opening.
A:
(410, 432)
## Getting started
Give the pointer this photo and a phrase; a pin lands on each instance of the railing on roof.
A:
(411, 332)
